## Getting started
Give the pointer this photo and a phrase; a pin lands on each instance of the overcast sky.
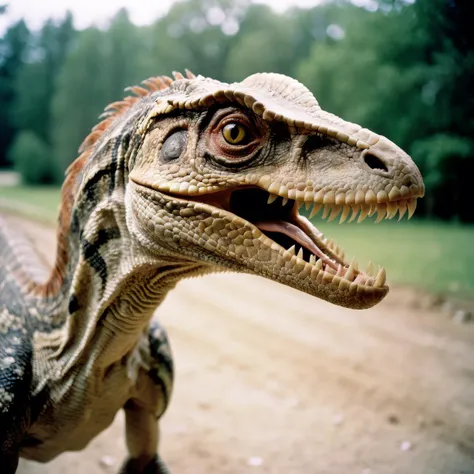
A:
(98, 12)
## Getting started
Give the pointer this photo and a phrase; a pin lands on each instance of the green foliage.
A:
(13, 47)
(35, 202)
(31, 157)
(121, 51)
(255, 51)
(447, 166)
(35, 84)
(79, 97)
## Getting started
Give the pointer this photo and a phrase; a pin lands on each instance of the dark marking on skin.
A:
(113, 163)
(91, 186)
(160, 353)
(75, 223)
(73, 304)
(105, 235)
(95, 260)
(91, 251)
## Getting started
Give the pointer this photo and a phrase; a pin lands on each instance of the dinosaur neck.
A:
(105, 286)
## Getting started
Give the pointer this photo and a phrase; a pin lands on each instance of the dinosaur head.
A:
(222, 172)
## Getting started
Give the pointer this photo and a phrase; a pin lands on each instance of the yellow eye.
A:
(234, 133)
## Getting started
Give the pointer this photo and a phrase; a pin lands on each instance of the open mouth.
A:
(279, 219)
(284, 245)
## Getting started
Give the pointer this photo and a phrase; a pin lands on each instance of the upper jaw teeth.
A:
(330, 267)
(384, 210)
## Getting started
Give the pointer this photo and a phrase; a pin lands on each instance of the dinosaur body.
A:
(187, 177)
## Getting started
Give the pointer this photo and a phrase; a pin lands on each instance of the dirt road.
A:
(270, 380)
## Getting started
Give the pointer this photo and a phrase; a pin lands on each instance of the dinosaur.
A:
(183, 177)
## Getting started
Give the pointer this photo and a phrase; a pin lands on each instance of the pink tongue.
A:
(297, 234)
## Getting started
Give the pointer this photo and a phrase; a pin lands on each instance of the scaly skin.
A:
(187, 177)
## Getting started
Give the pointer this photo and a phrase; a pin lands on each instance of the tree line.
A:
(402, 68)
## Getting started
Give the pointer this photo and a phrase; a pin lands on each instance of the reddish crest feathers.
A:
(115, 109)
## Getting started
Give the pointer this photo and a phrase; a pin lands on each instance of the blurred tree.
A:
(197, 35)
(36, 82)
(447, 166)
(31, 157)
(124, 56)
(13, 48)
(263, 33)
(80, 97)
(369, 78)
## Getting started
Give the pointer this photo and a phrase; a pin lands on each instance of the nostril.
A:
(374, 162)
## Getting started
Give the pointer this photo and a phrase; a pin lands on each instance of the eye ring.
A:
(235, 133)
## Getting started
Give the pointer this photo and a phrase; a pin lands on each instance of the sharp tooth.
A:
(307, 204)
(355, 265)
(355, 211)
(299, 204)
(364, 210)
(345, 213)
(334, 212)
(292, 250)
(330, 244)
(315, 210)
(284, 201)
(370, 197)
(381, 277)
(319, 264)
(370, 269)
(411, 207)
(392, 208)
(312, 259)
(350, 273)
(344, 285)
(326, 210)
(330, 270)
(271, 198)
(381, 211)
(402, 206)
(373, 210)
(340, 270)
(300, 253)
(360, 197)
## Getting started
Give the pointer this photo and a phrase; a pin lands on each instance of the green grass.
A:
(435, 256)
(40, 202)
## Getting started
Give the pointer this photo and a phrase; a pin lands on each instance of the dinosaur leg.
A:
(153, 364)
(142, 441)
